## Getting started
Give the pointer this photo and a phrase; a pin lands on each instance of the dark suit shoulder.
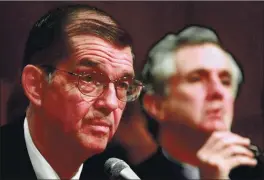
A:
(159, 167)
(15, 161)
(12, 136)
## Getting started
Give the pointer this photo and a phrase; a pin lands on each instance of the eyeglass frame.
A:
(50, 69)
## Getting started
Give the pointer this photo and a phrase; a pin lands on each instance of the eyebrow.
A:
(127, 74)
(226, 73)
(90, 63)
(203, 71)
(87, 62)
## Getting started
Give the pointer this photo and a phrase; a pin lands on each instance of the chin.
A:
(96, 147)
(93, 144)
(212, 127)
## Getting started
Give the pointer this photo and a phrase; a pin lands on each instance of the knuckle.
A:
(200, 155)
(239, 160)
(226, 142)
(232, 150)
(217, 136)
(247, 141)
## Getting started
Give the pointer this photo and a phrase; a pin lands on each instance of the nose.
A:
(215, 89)
(108, 101)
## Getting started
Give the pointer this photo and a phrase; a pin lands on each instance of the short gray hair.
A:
(160, 65)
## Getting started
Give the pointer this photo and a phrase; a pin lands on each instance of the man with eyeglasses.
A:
(78, 76)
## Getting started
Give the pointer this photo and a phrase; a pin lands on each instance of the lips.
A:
(97, 126)
(103, 123)
(214, 116)
(214, 113)
(97, 120)
(99, 130)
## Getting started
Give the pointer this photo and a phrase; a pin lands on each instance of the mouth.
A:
(214, 114)
(214, 120)
(97, 127)
(101, 122)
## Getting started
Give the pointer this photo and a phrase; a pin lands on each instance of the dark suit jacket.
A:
(15, 161)
(157, 167)
(16, 164)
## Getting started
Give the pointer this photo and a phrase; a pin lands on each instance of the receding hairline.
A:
(233, 67)
(95, 15)
(67, 21)
(189, 45)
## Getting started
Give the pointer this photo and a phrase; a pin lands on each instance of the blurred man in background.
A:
(192, 83)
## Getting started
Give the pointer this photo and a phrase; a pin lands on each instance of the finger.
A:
(221, 142)
(225, 154)
(234, 150)
(213, 140)
(240, 160)
(229, 139)
(210, 148)
(235, 138)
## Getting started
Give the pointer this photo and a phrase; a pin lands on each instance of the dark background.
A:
(240, 26)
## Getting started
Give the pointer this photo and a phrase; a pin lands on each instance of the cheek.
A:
(117, 114)
(73, 104)
(229, 104)
(191, 99)
(121, 106)
(186, 105)
(67, 105)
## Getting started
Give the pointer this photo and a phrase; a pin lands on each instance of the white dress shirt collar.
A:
(41, 167)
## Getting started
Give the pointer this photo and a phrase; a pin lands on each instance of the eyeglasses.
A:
(93, 84)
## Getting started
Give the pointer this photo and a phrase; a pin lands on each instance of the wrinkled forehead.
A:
(86, 44)
(209, 57)
(92, 51)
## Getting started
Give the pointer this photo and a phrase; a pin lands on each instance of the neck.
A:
(181, 143)
(55, 147)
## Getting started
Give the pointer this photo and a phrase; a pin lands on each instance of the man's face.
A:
(201, 91)
(89, 122)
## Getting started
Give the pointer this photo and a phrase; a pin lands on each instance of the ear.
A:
(32, 81)
(153, 106)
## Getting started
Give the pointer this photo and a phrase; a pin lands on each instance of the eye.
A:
(122, 84)
(194, 78)
(226, 81)
(83, 71)
(226, 78)
(88, 78)
(92, 79)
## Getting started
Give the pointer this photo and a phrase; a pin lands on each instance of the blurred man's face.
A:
(89, 122)
(201, 92)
